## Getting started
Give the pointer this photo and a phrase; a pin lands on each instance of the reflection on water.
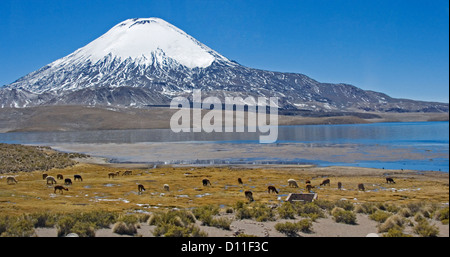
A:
(411, 136)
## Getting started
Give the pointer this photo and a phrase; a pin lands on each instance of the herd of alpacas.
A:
(248, 194)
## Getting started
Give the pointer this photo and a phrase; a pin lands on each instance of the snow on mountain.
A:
(145, 41)
(147, 61)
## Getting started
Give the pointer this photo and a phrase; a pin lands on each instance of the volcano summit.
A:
(147, 61)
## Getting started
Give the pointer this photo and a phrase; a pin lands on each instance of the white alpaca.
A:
(292, 182)
(51, 180)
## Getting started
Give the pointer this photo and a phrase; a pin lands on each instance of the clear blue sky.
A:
(398, 47)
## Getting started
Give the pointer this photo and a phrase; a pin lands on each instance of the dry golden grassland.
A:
(98, 192)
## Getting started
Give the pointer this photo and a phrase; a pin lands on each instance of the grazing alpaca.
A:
(127, 172)
(141, 188)
(60, 188)
(113, 174)
(308, 182)
(249, 195)
(390, 180)
(75, 177)
(67, 181)
(166, 187)
(50, 180)
(11, 180)
(59, 176)
(240, 181)
(292, 183)
(272, 189)
(309, 187)
(44, 176)
(325, 182)
(339, 185)
(361, 187)
(206, 182)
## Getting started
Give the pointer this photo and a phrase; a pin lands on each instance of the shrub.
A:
(324, 204)
(83, 229)
(343, 216)
(442, 215)
(286, 211)
(346, 205)
(379, 216)
(123, 228)
(425, 229)
(223, 223)
(261, 212)
(310, 210)
(258, 211)
(206, 213)
(175, 224)
(287, 228)
(395, 232)
(17, 227)
(305, 225)
(64, 225)
(292, 228)
(394, 221)
(366, 208)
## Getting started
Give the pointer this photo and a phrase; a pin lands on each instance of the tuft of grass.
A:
(442, 215)
(341, 215)
(380, 216)
(292, 228)
(395, 221)
(175, 223)
(424, 229)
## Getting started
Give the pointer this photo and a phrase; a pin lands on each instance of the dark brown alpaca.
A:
(339, 185)
(249, 195)
(272, 189)
(361, 187)
(60, 188)
(309, 187)
(390, 180)
(325, 182)
(206, 182)
(141, 188)
(240, 181)
(77, 177)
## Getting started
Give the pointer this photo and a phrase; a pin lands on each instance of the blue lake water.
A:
(428, 142)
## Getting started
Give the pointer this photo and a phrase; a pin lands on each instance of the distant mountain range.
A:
(147, 61)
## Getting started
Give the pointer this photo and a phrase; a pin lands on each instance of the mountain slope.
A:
(148, 61)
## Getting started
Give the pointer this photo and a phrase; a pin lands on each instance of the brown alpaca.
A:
(325, 182)
(206, 182)
(339, 185)
(77, 177)
(272, 189)
(60, 188)
(141, 188)
(390, 180)
(361, 187)
(59, 176)
(240, 181)
(127, 172)
(11, 180)
(309, 187)
(249, 195)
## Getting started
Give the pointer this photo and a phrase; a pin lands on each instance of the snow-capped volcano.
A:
(146, 41)
(148, 61)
